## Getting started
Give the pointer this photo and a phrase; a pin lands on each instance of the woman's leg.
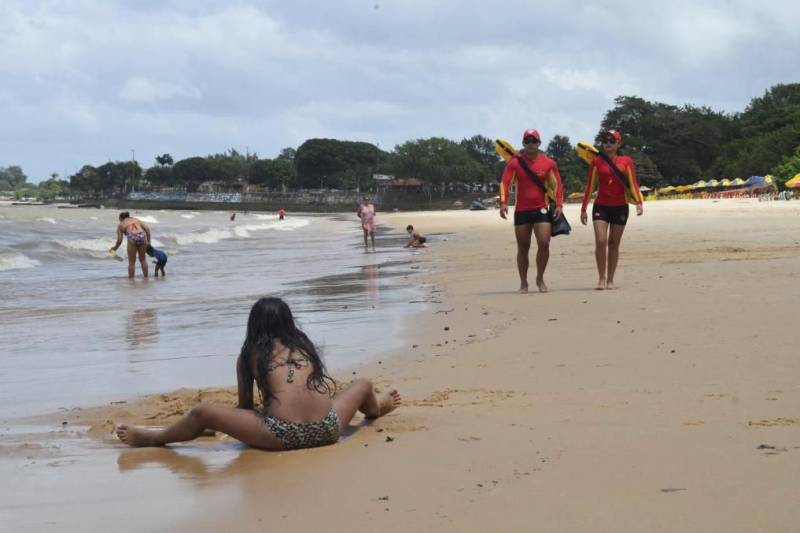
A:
(131, 248)
(614, 238)
(360, 396)
(372, 237)
(142, 248)
(366, 233)
(600, 245)
(241, 424)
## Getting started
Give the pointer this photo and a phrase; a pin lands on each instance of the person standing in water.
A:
(610, 208)
(299, 407)
(531, 215)
(366, 212)
(138, 235)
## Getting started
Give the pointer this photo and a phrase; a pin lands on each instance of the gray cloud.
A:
(85, 82)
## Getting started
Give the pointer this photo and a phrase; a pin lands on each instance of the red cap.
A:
(531, 133)
(616, 134)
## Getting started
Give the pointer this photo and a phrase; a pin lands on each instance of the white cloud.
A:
(91, 80)
(138, 89)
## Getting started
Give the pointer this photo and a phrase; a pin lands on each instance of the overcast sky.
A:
(85, 82)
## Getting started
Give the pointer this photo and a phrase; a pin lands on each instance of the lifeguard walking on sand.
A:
(610, 209)
(531, 215)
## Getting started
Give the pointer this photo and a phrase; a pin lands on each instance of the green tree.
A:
(13, 175)
(481, 150)
(287, 154)
(165, 160)
(559, 147)
(159, 176)
(273, 173)
(330, 163)
(788, 168)
(193, 171)
(230, 167)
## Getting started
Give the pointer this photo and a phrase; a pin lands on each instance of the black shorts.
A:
(613, 214)
(536, 216)
(160, 264)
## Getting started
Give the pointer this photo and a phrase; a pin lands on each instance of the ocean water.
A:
(75, 331)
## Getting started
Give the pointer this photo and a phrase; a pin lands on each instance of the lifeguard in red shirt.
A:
(610, 209)
(531, 215)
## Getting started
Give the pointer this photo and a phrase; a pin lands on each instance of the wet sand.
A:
(670, 404)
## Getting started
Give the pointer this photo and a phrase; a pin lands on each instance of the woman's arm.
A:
(244, 380)
(119, 239)
(146, 229)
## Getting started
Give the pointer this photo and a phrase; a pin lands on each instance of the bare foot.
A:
(601, 284)
(137, 437)
(523, 288)
(388, 402)
(610, 286)
(542, 286)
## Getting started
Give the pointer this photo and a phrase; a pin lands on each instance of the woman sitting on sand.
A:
(295, 390)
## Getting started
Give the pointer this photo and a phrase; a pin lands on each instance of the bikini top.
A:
(293, 362)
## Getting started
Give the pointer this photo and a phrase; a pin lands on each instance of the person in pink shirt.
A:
(366, 212)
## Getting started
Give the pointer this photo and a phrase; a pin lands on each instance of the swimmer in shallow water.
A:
(138, 236)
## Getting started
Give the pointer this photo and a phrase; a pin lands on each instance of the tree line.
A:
(671, 145)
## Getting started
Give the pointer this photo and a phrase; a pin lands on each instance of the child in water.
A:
(298, 405)
(161, 258)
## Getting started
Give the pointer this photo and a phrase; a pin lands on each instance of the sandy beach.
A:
(670, 404)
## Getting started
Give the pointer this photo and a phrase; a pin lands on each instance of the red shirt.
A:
(529, 195)
(610, 190)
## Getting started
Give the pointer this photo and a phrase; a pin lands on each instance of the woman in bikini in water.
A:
(299, 409)
(138, 235)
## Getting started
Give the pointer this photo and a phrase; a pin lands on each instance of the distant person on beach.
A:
(161, 259)
(300, 409)
(281, 213)
(233, 217)
(415, 240)
(531, 215)
(610, 208)
(138, 235)
(366, 212)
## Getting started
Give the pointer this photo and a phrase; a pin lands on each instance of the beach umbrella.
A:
(726, 182)
(737, 181)
(754, 181)
(683, 188)
(575, 195)
(699, 185)
(768, 179)
(644, 188)
(713, 183)
(664, 190)
(794, 182)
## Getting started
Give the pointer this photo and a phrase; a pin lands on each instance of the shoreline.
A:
(669, 404)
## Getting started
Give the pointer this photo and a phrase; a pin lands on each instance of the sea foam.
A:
(16, 261)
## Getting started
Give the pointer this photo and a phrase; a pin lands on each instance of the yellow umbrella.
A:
(726, 182)
(663, 190)
(713, 183)
(794, 182)
(737, 181)
(699, 185)
(683, 188)
(768, 179)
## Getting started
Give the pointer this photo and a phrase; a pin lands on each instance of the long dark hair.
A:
(270, 319)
